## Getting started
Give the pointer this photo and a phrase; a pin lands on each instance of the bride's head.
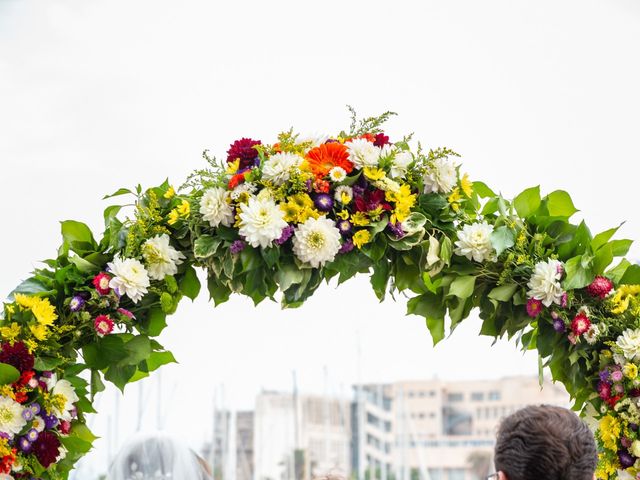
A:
(156, 457)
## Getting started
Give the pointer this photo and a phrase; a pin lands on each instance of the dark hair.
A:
(545, 442)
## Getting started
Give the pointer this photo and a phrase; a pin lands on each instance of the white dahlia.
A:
(400, 163)
(11, 421)
(129, 277)
(215, 207)
(441, 178)
(277, 168)
(247, 187)
(64, 390)
(261, 222)
(629, 343)
(161, 258)
(544, 284)
(316, 241)
(312, 140)
(474, 242)
(363, 153)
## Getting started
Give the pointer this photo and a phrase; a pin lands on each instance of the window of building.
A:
(455, 474)
(477, 396)
(455, 397)
(495, 395)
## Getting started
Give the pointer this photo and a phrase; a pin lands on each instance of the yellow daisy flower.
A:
(184, 209)
(610, 432)
(170, 193)
(361, 237)
(359, 219)
(174, 216)
(374, 173)
(466, 185)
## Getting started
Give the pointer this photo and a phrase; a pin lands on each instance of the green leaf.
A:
(577, 275)
(462, 287)
(104, 352)
(380, 278)
(559, 204)
(189, 283)
(156, 321)
(47, 363)
(602, 238)
(8, 374)
(137, 349)
(287, 275)
(121, 191)
(483, 190)
(206, 246)
(527, 202)
(620, 248)
(432, 308)
(73, 231)
(631, 276)
(96, 382)
(157, 359)
(503, 293)
(120, 375)
(602, 259)
(616, 273)
(502, 238)
(219, 293)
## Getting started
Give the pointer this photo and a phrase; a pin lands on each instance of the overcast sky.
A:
(95, 95)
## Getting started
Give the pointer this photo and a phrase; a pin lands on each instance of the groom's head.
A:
(545, 442)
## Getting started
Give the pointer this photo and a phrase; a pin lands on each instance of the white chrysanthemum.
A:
(64, 389)
(277, 168)
(337, 174)
(474, 242)
(11, 421)
(629, 343)
(129, 277)
(344, 194)
(387, 185)
(38, 423)
(161, 258)
(400, 163)
(313, 140)
(215, 208)
(544, 284)
(363, 153)
(261, 222)
(441, 178)
(316, 241)
(247, 187)
(591, 335)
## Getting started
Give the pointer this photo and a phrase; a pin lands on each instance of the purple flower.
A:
(35, 408)
(76, 303)
(323, 202)
(625, 442)
(27, 414)
(287, 233)
(604, 375)
(346, 247)
(396, 229)
(237, 246)
(345, 227)
(626, 460)
(619, 388)
(563, 300)
(50, 421)
(32, 435)
(309, 185)
(24, 445)
(559, 326)
(633, 427)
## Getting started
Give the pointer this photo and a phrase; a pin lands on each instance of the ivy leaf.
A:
(206, 246)
(502, 238)
(631, 275)
(432, 308)
(527, 202)
(189, 284)
(578, 275)
(462, 287)
(559, 204)
(503, 293)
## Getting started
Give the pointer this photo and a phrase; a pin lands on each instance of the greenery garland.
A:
(275, 221)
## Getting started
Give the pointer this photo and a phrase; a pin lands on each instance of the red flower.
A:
(321, 186)
(236, 180)
(371, 200)
(604, 390)
(25, 378)
(17, 355)
(244, 150)
(21, 397)
(7, 462)
(600, 287)
(101, 282)
(64, 427)
(534, 307)
(103, 325)
(46, 448)
(381, 140)
(613, 400)
(580, 324)
(327, 156)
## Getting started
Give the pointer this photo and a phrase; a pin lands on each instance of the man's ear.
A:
(503, 476)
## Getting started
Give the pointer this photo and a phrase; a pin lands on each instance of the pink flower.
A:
(103, 325)
(101, 282)
(600, 287)
(580, 324)
(564, 300)
(534, 307)
(616, 375)
(126, 313)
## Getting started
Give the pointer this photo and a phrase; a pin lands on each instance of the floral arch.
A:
(275, 221)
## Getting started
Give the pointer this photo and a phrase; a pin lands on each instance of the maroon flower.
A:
(381, 140)
(46, 448)
(534, 307)
(580, 324)
(604, 390)
(370, 200)
(17, 355)
(600, 287)
(244, 150)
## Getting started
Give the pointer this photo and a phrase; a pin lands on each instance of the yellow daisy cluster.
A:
(610, 431)
(456, 196)
(404, 201)
(181, 211)
(298, 208)
(606, 467)
(42, 310)
(5, 448)
(625, 295)
(361, 238)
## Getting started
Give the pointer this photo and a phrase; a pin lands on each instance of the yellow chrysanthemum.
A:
(308, 213)
(454, 199)
(174, 216)
(343, 214)
(302, 200)
(24, 301)
(359, 219)
(233, 167)
(374, 173)
(466, 185)
(40, 332)
(10, 309)
(7, 391)
(610, 432)
(5, 448)
(630, 371)
(620, 300)
(170, 193)
(361, 237)
(10, 333)
(606, 469)
(291, 211)
(44, 312)
(184, 209)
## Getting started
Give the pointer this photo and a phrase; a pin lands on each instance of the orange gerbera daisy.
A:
(328, 155)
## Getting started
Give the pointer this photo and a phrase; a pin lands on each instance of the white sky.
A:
(99, 95)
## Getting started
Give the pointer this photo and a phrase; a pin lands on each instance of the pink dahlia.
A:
(243, 150)
(600, 287)
(534, 307)
(103, 325)
(101, 282)
(580, 324)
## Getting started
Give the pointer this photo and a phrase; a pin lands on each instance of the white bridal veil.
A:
(156, 457)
